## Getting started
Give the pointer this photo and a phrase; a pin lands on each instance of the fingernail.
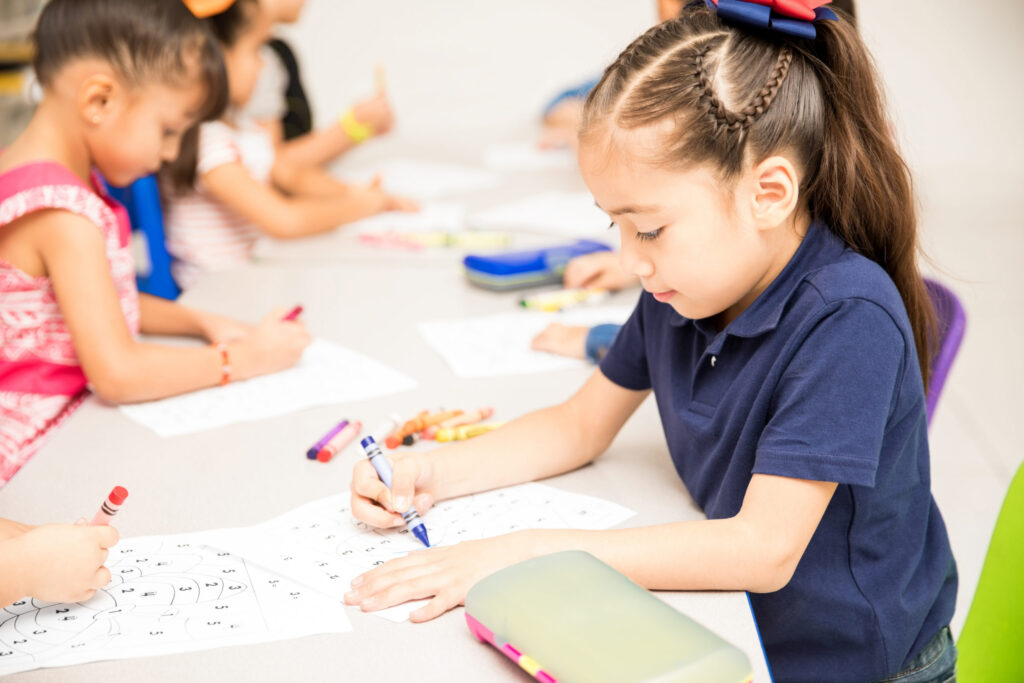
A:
(401, 504)
(351, 597)
(368, 604)
(356, 581)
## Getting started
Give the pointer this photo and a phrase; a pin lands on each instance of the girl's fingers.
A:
(441, 603)
(365, 510)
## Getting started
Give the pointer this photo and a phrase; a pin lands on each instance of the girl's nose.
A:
(632, 258)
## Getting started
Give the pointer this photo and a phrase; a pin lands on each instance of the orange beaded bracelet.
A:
(225, 364)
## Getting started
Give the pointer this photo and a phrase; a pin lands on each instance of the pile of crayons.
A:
(446, 425)
(334, 441)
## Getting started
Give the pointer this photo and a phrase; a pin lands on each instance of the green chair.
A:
(992, 642)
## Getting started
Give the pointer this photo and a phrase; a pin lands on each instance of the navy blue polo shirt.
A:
(818, 379)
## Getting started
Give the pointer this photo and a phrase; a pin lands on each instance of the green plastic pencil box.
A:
(569, 617)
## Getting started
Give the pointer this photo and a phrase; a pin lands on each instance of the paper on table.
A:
(441, 216)
(327, 373)
(499, 344)
(321, 545)
(424, 179)
(168, 594)
(526, 156)
(558, 213)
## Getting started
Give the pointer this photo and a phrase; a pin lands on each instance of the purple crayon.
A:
(311, 453)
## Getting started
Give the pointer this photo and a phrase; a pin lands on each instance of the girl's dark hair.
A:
(179, 176)
(142, 40)
(737, 95)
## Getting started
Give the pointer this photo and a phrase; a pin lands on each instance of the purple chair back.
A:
(952, 321)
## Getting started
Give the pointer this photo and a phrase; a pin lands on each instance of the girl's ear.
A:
(96, 97)
(776, 191)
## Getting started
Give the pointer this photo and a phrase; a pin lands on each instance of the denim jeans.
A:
(599, 338)
(936, 663)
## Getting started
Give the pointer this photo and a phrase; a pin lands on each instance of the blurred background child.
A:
(228, 186)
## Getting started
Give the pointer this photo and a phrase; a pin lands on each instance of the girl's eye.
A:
(168, 133)
(646, 236)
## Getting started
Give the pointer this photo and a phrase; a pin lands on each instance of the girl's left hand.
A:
(444, 574)
(220, 329)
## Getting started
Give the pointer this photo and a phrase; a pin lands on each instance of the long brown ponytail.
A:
(737, 95)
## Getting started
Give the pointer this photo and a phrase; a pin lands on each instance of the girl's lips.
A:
(664, 297)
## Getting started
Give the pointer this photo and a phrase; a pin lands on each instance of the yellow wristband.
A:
(357, 132)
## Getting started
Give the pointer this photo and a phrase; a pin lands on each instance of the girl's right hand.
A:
(412, 480)
(273, 345)
(64, 562)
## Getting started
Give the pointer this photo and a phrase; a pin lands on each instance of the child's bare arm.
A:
(282, 216)
(121, 369)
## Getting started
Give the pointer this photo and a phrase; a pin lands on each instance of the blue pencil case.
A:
(530, 268)
(569, 617)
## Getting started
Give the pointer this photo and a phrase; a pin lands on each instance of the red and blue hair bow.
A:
(792, 17)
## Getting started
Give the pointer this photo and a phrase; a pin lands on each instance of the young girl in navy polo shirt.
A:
(786, 334)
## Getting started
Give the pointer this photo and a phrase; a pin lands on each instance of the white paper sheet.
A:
(527, 156)
(440, 216)
(558, 213)
(499, 344)
(322, 546)
(168, 594)
(327, 373)
(424, 179)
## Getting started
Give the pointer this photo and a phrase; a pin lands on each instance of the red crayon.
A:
(110, 506)
(339, 441)
(293, 314)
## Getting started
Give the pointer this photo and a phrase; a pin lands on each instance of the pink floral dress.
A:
(41, 381)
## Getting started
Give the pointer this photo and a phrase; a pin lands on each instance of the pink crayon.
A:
(293, 314)
(339, 441)
(110, 506)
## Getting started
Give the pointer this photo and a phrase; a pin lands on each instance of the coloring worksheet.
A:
(321, 545)
(424, 180)
(571, 214)
(327, 373)
(168, 594)
(499, 344)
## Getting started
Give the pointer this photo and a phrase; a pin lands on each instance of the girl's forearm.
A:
(540, 444)
(719, 554)
(160, 316)
(316, 148)
(306, 180)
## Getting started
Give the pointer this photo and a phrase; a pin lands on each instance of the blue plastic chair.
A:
(952, 321)
(142, 199)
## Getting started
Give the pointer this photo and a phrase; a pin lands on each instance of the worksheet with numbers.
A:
(321, 545)
(167, 594)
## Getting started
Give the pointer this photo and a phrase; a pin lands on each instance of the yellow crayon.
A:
(466, 431)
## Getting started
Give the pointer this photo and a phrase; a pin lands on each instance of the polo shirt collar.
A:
(818, 248)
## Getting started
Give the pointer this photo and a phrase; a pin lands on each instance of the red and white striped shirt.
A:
(203, 234)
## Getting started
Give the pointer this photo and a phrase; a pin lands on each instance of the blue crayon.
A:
(383, 467)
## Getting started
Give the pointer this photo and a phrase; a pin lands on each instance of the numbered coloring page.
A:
(322, 546)
(168, 594)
